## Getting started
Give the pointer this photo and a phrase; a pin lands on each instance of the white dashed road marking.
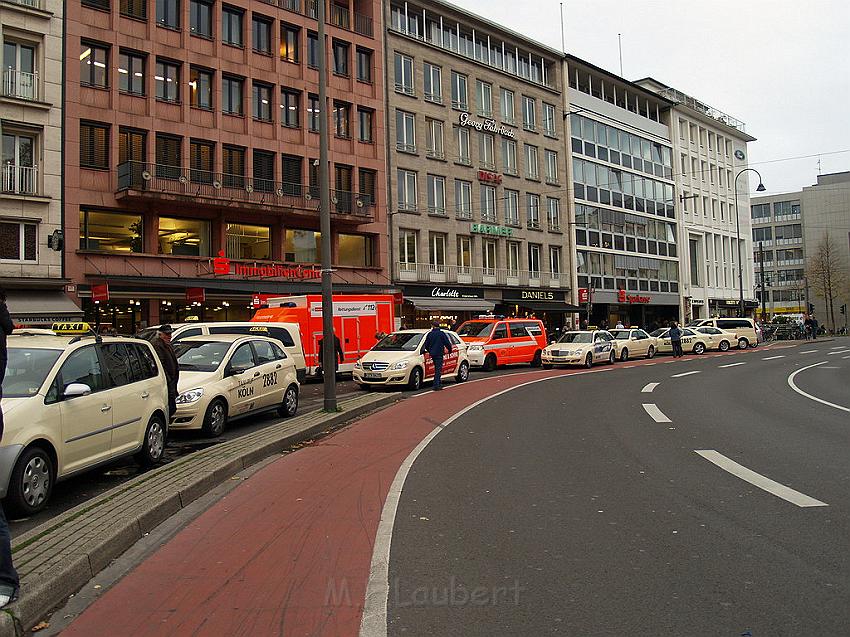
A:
(810, 351)
(843, 351)
(762, 482)
(732, 365)
(696, 371)
(647, 389)
(655, 413)
(771, 358)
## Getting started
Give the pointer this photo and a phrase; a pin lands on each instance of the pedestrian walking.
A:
(9, 582)
(676, 340)
(165, 351)
(814, 328)
(436, 344)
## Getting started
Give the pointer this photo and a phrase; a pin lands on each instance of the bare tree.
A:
(827, 276)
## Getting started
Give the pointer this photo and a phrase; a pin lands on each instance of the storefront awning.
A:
(450, 304)
(543, 306)
(41, 306)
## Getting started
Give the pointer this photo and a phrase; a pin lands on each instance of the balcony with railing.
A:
(338, 15)
(701, 107)
(139, 180)
(29, 4)
(20, 84)
(449, 273)
(19, 180)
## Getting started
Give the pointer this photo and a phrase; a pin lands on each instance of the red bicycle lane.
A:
(288, 552)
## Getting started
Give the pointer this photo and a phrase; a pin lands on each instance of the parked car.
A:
(494, 341)
(633, 342)
(583, 347)
(718, 339)
(748, 331)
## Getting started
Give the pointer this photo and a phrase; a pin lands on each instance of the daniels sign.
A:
(486, 125)
(622, 297)
(223, 267)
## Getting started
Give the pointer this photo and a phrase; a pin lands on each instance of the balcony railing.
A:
(20, 84)
(338, 15)
(19, 180)
(203, 184)
(33, 4)
(449, 273)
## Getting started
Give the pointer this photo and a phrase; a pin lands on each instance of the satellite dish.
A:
(308, 196)
(217, 184)
(360, 203)
(146, 175)
(183, 179)
(280, 192)
(249, 188)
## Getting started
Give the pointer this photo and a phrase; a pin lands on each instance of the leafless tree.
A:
(827, 276)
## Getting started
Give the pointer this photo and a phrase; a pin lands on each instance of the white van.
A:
(748, 331)
(289, 335)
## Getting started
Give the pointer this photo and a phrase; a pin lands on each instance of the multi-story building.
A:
(477, 167)
(31, 173)
(626, 213)
(778, 244)
(709, 155)
(191, 154)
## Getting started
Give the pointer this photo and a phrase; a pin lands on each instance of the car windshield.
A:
(620, 334)
(200, 356)
(399, 342)
(658, 333)
(26, 369)
(475, 328)
(576, 337)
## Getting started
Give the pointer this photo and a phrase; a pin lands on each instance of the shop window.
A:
(248, 242)
(355, 250)
(111, 232)
(302, 246)
(184, 237)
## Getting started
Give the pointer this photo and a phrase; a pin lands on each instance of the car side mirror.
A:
(74, 390)
(235, 371)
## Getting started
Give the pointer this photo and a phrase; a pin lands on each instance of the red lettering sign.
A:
(493, 178)
(221, 264)
(194, 295)
(582, 296)
(100, 292)
(622, 297)
(223, 267)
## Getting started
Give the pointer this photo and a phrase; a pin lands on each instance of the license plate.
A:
(368, 375)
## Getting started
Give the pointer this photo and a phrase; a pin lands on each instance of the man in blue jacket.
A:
(676, 340)
(436, 344)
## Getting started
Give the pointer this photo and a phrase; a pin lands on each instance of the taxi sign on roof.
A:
(72, 328)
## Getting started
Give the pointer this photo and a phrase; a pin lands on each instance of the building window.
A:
(484, 91)
(407, 195)
(261, 34)
(513, 258)
(490, 260)
(289, 37)
(134, 9)
(111, 232)
(312, 50)
(532, 167)
(264, 171)
(231, 26)
(533, 261)
(463, 153)
(364, 65)
(435, 139)
(201, 88)
(291, 173)
(533, 211)
(437, 252)
(433, 83)
(488, 203)
(313, 113)
(233, 167)
(340, 51)
(507, 107)
(302, 246)
(18, 241)
(553, 211)
(552, 167)
(460, 98)
(366, 118)
(131, 73)
(367, 179)
(464, 254)
(290, 107)
(94, 65)
(262, 102)
(555, 262)
(168, 156)
(167, 81)
(20, 76)
(200, 18)
(407, 240)
(436, 195)
(548, 119)
(201, 161)
(248, 242)
(355, 250)
(405, 131)
(463, 199)
(529, 118)
(404, 74)
(132, 145)
(168, 13)
(342, 115)
(511, 208)
(509, 161)
(487, 151)
(94, 145)
(344, 187)
(231, 95)
(184, 237)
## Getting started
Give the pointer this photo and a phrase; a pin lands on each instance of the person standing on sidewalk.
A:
(9, 582)
(436, 344)
(676, 340)
(165, 351)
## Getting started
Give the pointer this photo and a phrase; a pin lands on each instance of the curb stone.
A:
(59, 557)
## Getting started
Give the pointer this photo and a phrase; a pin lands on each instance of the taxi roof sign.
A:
(72, 328)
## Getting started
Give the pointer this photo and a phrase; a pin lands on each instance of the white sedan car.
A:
(632, 342)
(580, 348)
(721, 340)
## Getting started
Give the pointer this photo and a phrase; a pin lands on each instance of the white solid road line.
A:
(771, 358)
(647, 389)
(810, 351)
(655, 413)
(732, 365)
(771, 486)
(809, 396)
(696, 371)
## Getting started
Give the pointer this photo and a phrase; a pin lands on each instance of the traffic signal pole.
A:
(763, 288)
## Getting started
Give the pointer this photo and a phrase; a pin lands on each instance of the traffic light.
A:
(811, 308)
(844, 309)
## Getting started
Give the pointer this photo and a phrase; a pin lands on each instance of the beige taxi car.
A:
(74, 403)
(633, 342)
(721, 340)
(583, 347)
(228, 376)
(399, 360)
(692, 341)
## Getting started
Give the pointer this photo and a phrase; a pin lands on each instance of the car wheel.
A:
(537, 360)
(624, 355)
(650, 352)
(415, 382)
(588, 361)
(289, 404)
(724, 346)
(743, 343)
(699, 348)
(31, 482)
(153, 447)
(612, 358)
(462, 372)
(489, 363)
(215, 418)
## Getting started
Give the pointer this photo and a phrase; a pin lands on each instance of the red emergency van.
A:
(495, 340)
(358, 318)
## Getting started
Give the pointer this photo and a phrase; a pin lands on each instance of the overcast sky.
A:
(780, 66)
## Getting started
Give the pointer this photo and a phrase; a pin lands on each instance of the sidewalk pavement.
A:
(57, 558)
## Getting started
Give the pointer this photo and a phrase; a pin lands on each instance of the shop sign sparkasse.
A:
(222, 266)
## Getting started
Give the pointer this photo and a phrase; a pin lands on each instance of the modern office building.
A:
(626, 212)
(478, 182)
(191, 154)
(31, 174)
(709, 155)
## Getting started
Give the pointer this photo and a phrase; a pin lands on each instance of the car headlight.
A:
(357, 365)
(191, 396)
(400, 365)
(476, 348)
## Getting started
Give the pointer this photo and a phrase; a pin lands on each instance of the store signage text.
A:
(583, 295)
(697, 302)
(492, 178)
(622, 297)
(196, 295)
(498, 231)
(223, 267)
(100, 292)
(533, 295)
(486, 125)
(345, 308)
(451, 293)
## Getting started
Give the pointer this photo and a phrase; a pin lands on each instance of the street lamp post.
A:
(760, 188)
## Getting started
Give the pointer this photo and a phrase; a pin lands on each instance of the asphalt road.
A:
(580, 505)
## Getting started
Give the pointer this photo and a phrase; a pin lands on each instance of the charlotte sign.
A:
(485, 125)
(223, 267)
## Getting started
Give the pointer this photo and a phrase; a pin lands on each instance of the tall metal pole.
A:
(738, 232)
(328, 349)
(806, 307)
(763, 288)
